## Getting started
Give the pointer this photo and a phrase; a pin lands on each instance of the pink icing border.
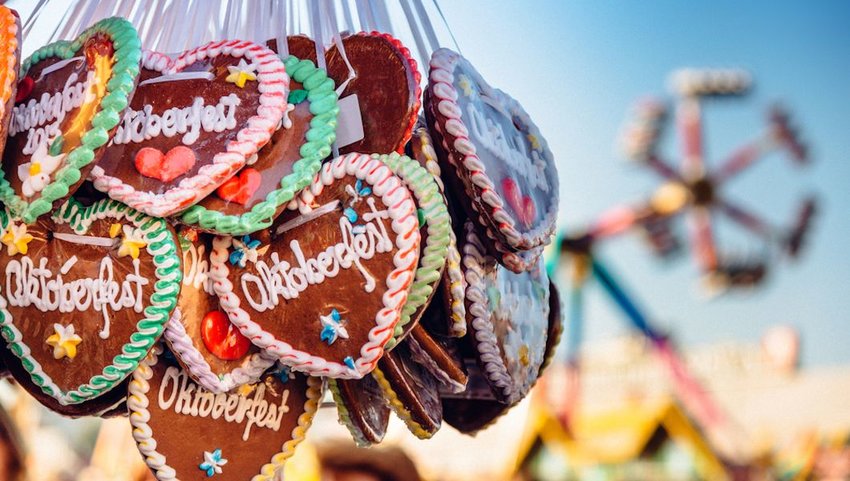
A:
(199, 369)
(405, 225)
(273, 84)
(441, 76)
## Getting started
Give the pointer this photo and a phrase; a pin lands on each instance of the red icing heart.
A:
(522, 205)
(241, 187)
(24, 89)
(222, 338)
(151, 162)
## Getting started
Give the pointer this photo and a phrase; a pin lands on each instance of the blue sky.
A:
(578, 67)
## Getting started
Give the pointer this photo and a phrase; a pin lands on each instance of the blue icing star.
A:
(350, 214)
(244, 250)
(212, 463)
(348, 361)
(332, 327)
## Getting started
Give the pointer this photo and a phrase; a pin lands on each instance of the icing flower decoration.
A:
(114, 230)
(357, 192)
(64, 341)
(239, 74)
(212, 463)
(332, 327)
(245, 250)
(349, 361)
(35, 174)
(16, 239)
(132, 240)
(465, 85)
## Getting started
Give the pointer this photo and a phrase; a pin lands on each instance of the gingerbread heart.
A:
(59, 129)
(87, 294)
(505, 174)
(450, 293)
(285, 165)
(10, 52)
(213, 352)
(435, 228)
(361, 408)
(186, 432)
(222, 101)
(508, 314)
(325, 289)
(386, 85)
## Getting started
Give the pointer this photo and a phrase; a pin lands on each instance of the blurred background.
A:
(771, 358)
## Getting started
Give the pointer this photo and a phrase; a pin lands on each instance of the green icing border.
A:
(119, 89)
(322, 133)
(162, 245)
(430, 200)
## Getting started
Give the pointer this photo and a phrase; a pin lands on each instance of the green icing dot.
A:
(420, 214)
(56, 146)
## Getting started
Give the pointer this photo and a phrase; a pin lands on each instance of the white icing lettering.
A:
(192, 400)
(279, 279)
(141, 125)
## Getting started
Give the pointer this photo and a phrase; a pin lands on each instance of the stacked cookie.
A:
(187, 241)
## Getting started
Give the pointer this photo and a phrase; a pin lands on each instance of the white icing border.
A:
(486, 342)
(405, 225)
(273, 84)
(137, 406)
(441, 76)
(199, 369)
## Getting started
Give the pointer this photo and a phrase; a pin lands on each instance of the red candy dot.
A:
(24, 89)
(222, 338)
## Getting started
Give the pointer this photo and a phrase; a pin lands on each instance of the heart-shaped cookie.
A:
(186, 432)
(435, 228)
(506, 175)
(213, 352)
(75, 96)
(222, 101)
(452, 286)
(386, 85)
(87, 294)
(325, 289)
(508, 316)
(10, 53)
(285, 165)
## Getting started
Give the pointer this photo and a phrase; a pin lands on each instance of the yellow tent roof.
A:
(623, 434)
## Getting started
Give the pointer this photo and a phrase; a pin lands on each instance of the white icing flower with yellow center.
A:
(465, 85)
(64, 341)
(35, 174)
(16, 239)
(131, 242)
(239, 74)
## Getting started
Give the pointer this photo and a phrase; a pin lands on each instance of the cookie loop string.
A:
(280, 30)
(415, 29)
(36, 12)
(330, 15)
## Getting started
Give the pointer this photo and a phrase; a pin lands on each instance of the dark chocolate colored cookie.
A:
(411, 391)
(439, 356)
(362, 409)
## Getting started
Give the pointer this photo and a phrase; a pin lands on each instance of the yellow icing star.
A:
(131, 243)
(245, 390)
(64, 341)
(523, 355)
(465, 85)
(535, 142)
(16, 239)
(239, 74)
(114, 229)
